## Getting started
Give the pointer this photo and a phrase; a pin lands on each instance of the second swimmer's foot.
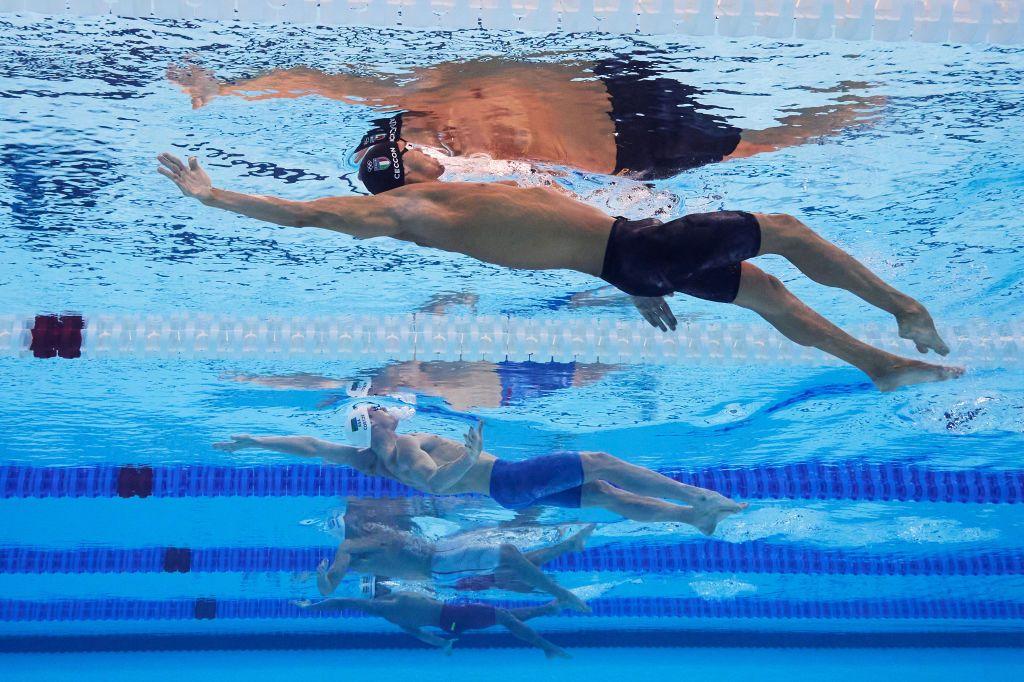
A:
(910, 372)
(579, 541)
(917, 325)
(571, 601)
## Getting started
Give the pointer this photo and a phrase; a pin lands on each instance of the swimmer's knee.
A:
(759, 290)
(780, 230)
(509, 553)
(595, 492)
(596, 462)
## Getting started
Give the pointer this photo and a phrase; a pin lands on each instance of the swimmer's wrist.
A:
(210, 199)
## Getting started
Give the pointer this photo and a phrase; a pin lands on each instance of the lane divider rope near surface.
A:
(938, 21)
(384, 338)
(605, 607)
(849, 480)
(703, 556)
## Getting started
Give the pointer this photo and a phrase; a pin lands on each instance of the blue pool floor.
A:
(593, 665)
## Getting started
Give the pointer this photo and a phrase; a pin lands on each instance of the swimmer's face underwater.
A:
(380, 418)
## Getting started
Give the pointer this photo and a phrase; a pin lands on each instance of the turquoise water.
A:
(927, 194)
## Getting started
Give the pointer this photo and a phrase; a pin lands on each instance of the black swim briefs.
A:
(660, 127)
(698, 254)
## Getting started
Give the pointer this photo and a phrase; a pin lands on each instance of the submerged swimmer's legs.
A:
(644, 508)
(515, 563)
(827, 264)
(513, 619)
(576, 542)
(706, 504)
(769, 298)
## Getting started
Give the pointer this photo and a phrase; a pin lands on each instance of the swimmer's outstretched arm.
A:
(300, 81)
(301, 446)
(361, 217)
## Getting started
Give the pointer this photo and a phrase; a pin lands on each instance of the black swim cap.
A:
(381, 168)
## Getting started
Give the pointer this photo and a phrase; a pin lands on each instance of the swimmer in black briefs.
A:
(705, 255)
(441, 466)
(412, 612)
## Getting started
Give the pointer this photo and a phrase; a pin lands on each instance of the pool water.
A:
(876, 520)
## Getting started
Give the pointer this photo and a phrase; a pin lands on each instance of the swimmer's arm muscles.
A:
(426, 475)
(361, 217)
(308, 446)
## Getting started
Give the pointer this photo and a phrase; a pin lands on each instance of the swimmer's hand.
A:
(475, 441)
(192, 180)
(656, 311)
(447, 647)
(237, 442)
(198, 83)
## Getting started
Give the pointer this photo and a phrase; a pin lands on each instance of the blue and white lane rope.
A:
(977, 344)
(934, 21)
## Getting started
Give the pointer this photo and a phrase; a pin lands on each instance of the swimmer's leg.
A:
(513, 561)
(827, 264)
(524, 632)
(642, 508)
(525, 613)
(769, 298)
(574, 543)
(600, 466)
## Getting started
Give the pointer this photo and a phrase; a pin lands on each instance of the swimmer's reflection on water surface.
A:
(615, 116)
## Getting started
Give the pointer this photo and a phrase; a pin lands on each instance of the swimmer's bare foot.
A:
(579, 541)
(571, 601)
(917, 325)
(910, 372)
(554, 651)
(711, 512)
(550, 609)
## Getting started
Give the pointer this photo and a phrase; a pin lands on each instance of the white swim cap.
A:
(357, 425)
(357, 421)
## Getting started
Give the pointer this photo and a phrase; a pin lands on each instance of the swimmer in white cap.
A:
(441, 466)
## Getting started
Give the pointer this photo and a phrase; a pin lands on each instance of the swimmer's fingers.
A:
(171, 161)
(646, 307)
(193, 163)
(167, 174)
(666, 315)
(475, 437)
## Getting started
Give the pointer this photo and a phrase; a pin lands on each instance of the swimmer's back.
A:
(532, 228)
